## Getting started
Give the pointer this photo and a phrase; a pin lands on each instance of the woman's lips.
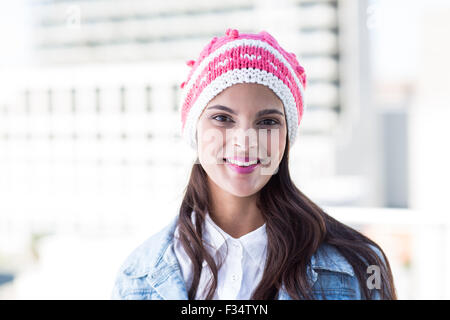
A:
(242, 170)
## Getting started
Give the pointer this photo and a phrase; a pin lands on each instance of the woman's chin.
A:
(242, 189)
(242, 193)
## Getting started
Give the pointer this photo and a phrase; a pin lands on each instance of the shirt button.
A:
(234, 277)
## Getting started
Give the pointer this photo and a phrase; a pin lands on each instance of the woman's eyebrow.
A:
(258, 114)
(268, 111)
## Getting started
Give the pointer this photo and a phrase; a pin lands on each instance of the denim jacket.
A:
(152, 272)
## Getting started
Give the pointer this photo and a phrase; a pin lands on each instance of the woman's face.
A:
(245, 122)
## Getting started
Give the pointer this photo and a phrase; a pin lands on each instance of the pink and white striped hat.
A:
(242, 58)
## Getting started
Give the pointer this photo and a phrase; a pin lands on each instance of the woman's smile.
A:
(242, 168)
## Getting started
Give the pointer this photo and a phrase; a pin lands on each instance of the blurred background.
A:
(91, 160)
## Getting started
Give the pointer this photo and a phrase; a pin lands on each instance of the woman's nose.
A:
(245, 138)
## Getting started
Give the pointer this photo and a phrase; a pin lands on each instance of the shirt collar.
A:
(254, 242)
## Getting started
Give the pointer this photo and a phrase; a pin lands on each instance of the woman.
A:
(244, 230)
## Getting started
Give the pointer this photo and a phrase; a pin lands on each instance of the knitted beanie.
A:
(242, 58)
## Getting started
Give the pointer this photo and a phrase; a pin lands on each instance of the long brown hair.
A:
(295, 226)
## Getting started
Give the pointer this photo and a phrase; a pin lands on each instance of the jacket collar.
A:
(156, 260)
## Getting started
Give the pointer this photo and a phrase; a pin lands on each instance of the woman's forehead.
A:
(248, 96)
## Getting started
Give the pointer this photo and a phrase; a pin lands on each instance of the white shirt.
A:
(243, 266)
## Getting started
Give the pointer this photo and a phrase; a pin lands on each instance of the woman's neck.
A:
(236, 216)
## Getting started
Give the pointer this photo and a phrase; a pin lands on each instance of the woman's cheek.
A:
(275, 143)
(211, 139)
(282, 145)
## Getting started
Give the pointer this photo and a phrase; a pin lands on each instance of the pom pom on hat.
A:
(190, 63)
(232, 33)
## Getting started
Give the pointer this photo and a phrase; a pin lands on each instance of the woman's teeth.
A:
(242, 164)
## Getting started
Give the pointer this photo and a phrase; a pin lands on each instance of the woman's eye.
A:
(269, 122)
(221, 118)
